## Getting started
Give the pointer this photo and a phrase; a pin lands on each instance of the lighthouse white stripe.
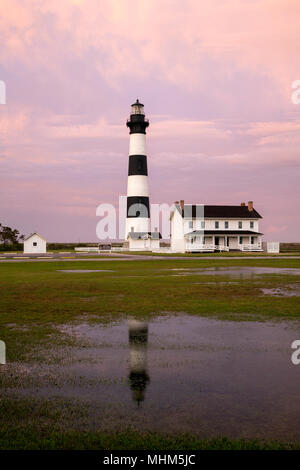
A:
(137, 144)
(137, 185)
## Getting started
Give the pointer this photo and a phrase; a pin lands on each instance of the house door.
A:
(217, 241)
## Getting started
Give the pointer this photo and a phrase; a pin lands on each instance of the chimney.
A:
(182, 204)
(243, 204)
(250, 206)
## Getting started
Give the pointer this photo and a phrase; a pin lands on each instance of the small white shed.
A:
(143, 241)
(35, 244)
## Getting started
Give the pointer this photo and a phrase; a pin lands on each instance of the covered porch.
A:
(215, 240)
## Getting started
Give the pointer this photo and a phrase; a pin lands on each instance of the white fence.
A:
(273, 247)
(87, 249)
(95, 249)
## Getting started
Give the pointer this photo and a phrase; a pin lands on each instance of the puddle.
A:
(240, 271)
(85, 271)
(290, 291)
(177, 373)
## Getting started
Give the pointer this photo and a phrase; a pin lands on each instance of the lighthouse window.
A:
(140, 164)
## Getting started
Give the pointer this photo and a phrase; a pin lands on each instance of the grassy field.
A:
(36, 298)
(223, 254)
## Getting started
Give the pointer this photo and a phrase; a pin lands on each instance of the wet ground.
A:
(177, 373)
(236, 271)
(291, 290)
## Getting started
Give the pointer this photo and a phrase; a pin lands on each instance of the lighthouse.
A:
(138, 207)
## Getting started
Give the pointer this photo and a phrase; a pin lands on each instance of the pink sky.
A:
(215, 78)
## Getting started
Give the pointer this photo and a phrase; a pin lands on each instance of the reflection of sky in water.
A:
(186, 373)
(235, 271)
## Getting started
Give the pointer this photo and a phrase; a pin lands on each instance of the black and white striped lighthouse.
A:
(138, 209)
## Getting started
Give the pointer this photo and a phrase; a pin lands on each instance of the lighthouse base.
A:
(143, 241)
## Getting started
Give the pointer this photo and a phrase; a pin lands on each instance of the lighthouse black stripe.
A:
(137, 124)
(137, 165)
(138, 206)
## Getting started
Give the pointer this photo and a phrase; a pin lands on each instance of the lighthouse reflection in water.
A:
(138, 341)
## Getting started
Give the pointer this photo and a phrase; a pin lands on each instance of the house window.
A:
(202, 224)
(191, 224)
(251, 224)
(241, 240)
(216, 224)
(34, 243)
(240, 224)
(226, 224)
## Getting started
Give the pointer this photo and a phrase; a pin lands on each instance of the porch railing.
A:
(209, 247)
(205, 247)
(251, 247)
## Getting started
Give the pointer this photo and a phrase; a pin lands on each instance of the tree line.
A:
(10, 238)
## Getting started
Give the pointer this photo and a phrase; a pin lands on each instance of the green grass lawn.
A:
(225, 254)
(35, 298)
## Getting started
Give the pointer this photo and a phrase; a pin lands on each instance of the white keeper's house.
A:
(206, 228)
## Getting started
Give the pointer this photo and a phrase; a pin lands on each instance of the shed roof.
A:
(35, 233)
(144, 235)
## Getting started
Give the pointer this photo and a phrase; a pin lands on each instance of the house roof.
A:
(144, 235)
(35, 233)
(223, 232)
(218, 212)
